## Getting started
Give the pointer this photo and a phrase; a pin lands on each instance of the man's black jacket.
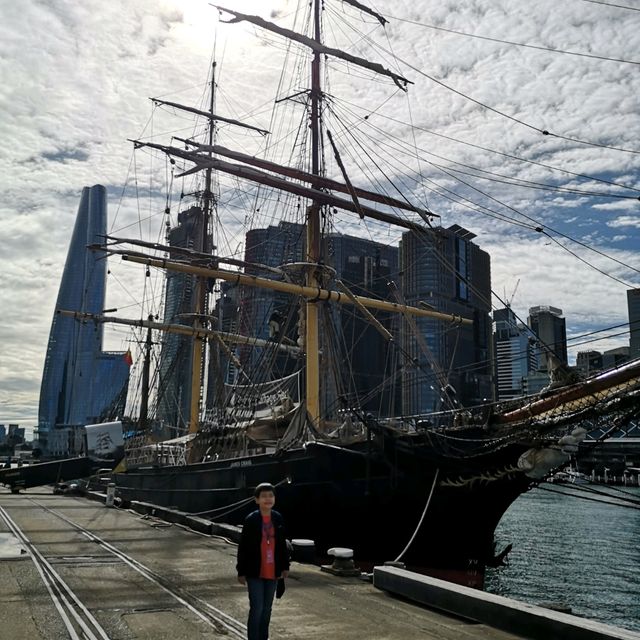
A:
(249, 555)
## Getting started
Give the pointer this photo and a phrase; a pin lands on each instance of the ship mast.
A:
(319, 194)
(146, 368)
(199, 344)
(312, 344)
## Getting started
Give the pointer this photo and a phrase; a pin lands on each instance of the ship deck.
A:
(68, 562)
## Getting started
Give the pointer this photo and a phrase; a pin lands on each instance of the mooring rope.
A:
(424, 513)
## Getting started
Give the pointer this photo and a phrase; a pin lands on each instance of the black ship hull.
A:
(372, 502)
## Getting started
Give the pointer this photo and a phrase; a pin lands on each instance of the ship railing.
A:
(157, 454)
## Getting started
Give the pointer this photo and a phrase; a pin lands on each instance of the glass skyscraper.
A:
(174, 390)
(365, 267)
(368, 269)
(273, 246)
(551, 328)
(514, 354)
(81, 384)
(448, 365)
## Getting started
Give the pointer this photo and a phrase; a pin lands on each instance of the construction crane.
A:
(513, 295)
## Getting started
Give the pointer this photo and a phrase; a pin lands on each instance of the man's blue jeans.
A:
(261, 594)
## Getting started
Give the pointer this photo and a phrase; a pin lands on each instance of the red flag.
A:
(127, 357)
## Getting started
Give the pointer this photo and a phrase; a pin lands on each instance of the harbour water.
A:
(582, 553)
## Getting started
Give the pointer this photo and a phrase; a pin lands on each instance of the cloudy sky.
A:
(75, 79)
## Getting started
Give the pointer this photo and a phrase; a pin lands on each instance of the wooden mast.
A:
(312, 343)
(144, 401)
(201, 285)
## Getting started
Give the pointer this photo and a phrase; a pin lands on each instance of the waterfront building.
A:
(3, 433)
(173, 400)
(615, 357)
(589, 362)
(81, 384)
(514, 352)
(550, 327)
(633, 305)
(446, 270)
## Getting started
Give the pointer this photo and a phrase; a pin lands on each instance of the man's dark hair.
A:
(263, 486)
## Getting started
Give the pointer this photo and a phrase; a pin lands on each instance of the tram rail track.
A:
(80, 623)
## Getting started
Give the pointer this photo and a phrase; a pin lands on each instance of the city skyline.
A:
(105, 61)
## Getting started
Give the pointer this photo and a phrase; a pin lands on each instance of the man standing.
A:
(262, 560)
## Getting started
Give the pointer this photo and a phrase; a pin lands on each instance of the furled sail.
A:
(400, 81)
(248, 173)
(210, 116)
(317, 181)
(354, 3)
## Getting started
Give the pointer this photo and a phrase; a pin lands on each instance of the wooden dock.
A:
(73, 568)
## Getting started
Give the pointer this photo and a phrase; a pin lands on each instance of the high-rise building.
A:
(368, 269)
(550, 327)
(222, 371)
(173, 401)
(358, 355)
(514, 354)
(588, 362)
(262, 310)
(81, 384)
(633, 304)
(15, 434)
(446, 270)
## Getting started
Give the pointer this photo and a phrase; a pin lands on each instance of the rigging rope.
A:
(573, 495)
(516, 44)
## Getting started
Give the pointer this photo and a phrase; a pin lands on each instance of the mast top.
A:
(316, 46)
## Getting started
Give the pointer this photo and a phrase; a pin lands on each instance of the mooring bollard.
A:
(342, 562)
(111, 494)
(303, 550)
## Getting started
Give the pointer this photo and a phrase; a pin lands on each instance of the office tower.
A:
(81, 384)
(549, 326)
(367, 268)
(221, 369)
(362, 371)
(514, 354)
(589, 362)
(633, 304)
(262, 311)
(446, 270)
(15, 435)
(173, 401)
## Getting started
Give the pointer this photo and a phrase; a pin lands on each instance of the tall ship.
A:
(327, 382)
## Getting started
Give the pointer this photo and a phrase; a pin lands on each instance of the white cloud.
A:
(76, 84)
(625, 221)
